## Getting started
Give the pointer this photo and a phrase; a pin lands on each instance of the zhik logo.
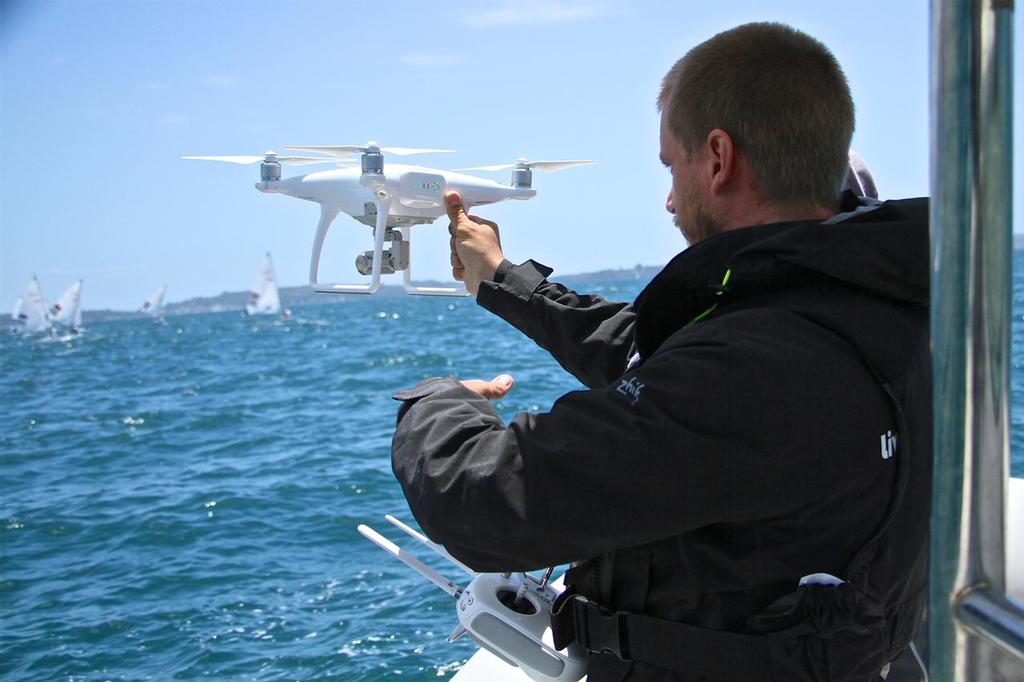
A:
(888, 444)
(630, 388)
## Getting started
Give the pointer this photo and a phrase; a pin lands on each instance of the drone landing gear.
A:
(419, 289)
(327, 215)
(379, 261)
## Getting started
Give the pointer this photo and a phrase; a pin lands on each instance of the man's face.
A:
(685, 200)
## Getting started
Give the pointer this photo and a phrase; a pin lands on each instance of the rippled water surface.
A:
(181, 501)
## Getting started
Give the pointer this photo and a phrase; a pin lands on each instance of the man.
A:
(743, 489)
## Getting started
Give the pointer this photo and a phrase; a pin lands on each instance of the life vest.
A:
(846, 631)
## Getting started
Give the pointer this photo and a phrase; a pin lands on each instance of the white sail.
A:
(16, 312)
(265, 299)
(66, 312)
(154, 305)
(32, 313)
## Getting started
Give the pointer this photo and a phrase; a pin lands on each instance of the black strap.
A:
(662, 643)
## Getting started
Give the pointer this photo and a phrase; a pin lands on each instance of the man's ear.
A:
(721, 159)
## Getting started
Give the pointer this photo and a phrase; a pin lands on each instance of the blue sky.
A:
(99, 99)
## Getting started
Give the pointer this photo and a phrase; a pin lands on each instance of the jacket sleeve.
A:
(588, 336)
(680, 442)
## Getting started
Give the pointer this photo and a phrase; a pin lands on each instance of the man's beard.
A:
(694, 222)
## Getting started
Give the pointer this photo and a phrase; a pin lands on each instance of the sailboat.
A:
(154, 305)
(265, 299)
(67, 311)
(29, 314)
(16, 311)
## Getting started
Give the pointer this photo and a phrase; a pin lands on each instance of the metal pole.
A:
(971, 178)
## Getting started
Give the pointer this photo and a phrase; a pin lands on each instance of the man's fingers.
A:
(496, 388)
(484, 221)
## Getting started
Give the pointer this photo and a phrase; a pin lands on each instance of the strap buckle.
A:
(574, 618)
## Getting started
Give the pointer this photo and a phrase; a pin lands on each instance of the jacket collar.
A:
(883, 253)
(693, 283)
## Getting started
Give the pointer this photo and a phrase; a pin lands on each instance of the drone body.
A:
(391, 201)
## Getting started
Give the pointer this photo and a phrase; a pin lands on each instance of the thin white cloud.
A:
(521, 12)
(168, 120)
(220, 81)
(429, 60)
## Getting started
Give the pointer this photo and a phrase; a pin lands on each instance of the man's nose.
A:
(669, 206)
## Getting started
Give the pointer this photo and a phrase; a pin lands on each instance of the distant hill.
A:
(303, 295)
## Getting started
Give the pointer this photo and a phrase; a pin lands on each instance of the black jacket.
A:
(776, 423)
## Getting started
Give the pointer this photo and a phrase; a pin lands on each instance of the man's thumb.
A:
(496, 388)
(453, 204)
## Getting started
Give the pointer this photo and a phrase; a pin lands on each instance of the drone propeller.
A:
(269, 157)
(341, 151)
(549, 166)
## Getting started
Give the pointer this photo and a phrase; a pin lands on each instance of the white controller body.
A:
(514, 632)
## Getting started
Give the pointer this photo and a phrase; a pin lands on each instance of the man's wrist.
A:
(486, 269)
(491, 265)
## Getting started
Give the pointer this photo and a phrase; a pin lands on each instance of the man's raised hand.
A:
(475, 245)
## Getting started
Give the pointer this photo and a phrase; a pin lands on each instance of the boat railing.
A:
(976, 632)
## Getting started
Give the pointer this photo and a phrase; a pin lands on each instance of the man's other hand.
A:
(475, 245)
(496, 388)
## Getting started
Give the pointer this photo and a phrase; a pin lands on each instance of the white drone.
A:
(391, 202)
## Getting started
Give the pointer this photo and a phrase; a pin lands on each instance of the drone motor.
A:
(522, 176)
(270, 168)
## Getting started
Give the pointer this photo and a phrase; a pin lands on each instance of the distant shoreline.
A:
(303, 295)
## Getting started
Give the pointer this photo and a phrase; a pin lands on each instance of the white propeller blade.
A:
(549, 166)
(343, 150)
(498, 167)
(406, 151)
(307, 160)
(245, 160)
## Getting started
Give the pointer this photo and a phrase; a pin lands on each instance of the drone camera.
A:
(394, 259)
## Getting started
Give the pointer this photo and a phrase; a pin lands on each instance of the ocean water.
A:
(181, 501)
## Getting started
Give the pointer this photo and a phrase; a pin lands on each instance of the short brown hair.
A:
(782, 97)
